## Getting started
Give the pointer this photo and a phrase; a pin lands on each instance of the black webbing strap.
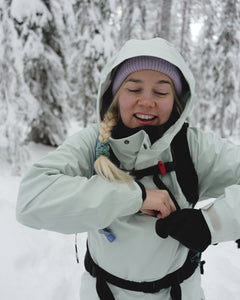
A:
(183, 166)
(160, 168)
(172, 280)
(169, 167)
(185, 171)
(158, 182)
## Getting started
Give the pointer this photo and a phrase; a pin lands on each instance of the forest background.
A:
(51, 56)
(52, 53)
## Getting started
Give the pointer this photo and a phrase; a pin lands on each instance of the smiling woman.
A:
(146, 98)
(132, 180)
(145, 90)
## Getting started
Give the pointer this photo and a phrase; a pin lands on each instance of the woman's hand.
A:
(158, 204)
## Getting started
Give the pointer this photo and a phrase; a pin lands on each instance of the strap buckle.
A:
(162, 167)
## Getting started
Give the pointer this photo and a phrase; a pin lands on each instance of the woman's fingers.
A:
(172, 205)
(165, 210)
(158, 203)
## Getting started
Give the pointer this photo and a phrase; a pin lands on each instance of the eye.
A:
(134, 90)
(161, 93)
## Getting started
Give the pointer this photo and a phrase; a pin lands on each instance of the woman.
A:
(140, 218)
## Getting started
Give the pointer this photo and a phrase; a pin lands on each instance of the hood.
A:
(156, 47)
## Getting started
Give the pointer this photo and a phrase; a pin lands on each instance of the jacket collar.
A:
(154, 132)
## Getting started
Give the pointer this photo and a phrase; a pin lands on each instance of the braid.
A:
(103, 166)
(110, 120)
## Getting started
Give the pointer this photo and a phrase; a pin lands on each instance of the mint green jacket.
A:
(61, 193)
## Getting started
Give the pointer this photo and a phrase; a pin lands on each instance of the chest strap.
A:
(160, 168)
(172, 280)
(183, 166)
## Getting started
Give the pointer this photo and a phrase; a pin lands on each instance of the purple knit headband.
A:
(147, 63)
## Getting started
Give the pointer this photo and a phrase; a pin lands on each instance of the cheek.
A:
(169, 106)
(166, 105)
(124, 104)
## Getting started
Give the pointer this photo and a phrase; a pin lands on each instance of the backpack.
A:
(188, 180)
(182, 164)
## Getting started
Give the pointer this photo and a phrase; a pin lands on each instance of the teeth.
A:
(144, 117)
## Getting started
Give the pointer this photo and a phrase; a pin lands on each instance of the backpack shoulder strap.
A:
(185, 171)
(182, 164)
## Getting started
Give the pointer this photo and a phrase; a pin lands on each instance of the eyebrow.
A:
(133, 80)
(140, 81)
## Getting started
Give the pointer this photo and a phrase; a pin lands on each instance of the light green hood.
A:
(155, 47)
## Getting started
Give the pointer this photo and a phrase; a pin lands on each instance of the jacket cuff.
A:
(144, 194)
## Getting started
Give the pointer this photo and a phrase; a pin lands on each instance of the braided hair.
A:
(103, 166)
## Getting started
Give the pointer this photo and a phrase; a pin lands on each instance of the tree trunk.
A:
(166, 19)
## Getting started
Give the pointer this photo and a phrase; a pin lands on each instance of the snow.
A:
(34, 9)
(42, 264)
(35, 263)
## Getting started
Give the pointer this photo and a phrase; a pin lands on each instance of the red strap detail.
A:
(162, 167)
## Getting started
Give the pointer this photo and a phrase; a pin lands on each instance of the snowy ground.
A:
(41, 265)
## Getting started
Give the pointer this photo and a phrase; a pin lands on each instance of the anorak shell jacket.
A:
(61, 193)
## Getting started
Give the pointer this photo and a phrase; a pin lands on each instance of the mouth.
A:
(144, 119)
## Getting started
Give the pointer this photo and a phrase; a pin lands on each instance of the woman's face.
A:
(146, 98)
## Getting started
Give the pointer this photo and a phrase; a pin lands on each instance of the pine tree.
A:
(65, 23)
(93, 46)
(203, 64)
(166, 19)
(185, 29)
(133, 20)
(43, 69)
(227, 77)
(216, 70)
(152, 20)
(17, 106)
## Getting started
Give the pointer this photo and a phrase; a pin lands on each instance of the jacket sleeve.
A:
(217, 162)
(59, 193)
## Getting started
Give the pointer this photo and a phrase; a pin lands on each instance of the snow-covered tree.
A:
(18, 108)
(133, 20)
(166, 19)
(65, 24)
(93, 46)
(216, 68)
(185, 41)
(227, 51)
(204, 69)
(52, 53)
(43, 68)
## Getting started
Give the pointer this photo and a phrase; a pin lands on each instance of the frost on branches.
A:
(93, 45)
(18, 107)
(53, 51)
(43, 69)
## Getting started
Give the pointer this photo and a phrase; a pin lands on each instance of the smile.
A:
(144, 117)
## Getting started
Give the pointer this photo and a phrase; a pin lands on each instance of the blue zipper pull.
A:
(108, 234)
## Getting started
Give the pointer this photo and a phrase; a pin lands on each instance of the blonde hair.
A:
(177, 103)
(103, 166)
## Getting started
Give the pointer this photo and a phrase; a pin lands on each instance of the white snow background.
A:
(41, 265)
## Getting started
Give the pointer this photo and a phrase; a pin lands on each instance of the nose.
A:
(146, 100)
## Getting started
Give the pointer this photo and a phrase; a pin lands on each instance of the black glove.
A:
(188, 226)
